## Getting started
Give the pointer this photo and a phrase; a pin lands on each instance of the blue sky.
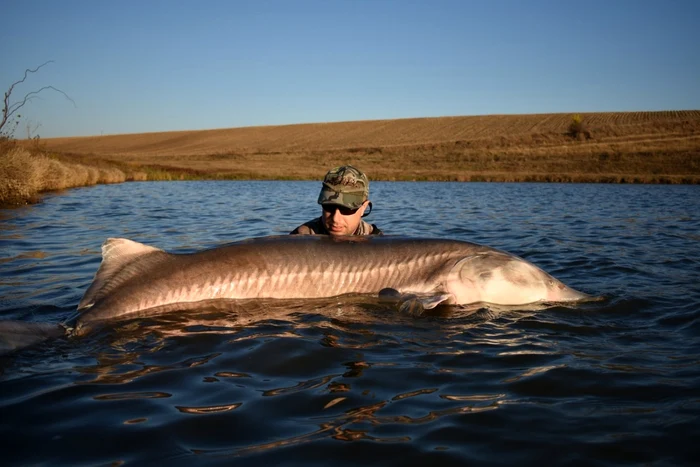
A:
(141, 66)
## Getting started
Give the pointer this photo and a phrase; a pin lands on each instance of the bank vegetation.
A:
(25, 173)
(611, 147)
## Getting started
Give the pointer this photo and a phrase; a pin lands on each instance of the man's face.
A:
(340, 220)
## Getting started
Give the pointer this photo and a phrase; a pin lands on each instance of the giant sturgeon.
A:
(137, 280)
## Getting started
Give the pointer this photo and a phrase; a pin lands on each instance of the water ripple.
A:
(351, 382)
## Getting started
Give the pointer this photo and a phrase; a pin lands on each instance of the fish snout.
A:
(560, 292)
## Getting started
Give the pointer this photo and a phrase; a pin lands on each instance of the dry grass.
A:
(644, 147)
(369, 134)
(617, 147)
(24, 174)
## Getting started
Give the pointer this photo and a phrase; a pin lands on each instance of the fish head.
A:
(499, 278)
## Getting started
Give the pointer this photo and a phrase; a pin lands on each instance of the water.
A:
(347, 382)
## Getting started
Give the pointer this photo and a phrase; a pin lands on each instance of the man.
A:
(343, 199)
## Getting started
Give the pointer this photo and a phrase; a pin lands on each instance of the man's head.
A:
(344, 198)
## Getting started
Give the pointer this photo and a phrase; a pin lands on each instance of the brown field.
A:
(635, 147)
(623, 147)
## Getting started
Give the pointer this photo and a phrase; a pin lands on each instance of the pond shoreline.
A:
(615, 147)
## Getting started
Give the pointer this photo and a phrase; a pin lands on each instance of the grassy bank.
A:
(613, 147)
(25, 173)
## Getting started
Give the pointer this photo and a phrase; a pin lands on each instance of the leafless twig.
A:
(9, 109)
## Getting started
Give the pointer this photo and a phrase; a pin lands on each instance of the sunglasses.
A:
(331, 208)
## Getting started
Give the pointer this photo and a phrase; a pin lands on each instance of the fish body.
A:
(139, 280)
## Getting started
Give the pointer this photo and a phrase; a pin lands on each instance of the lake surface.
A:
(346, 382)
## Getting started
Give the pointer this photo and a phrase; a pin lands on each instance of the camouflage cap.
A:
(344, 186)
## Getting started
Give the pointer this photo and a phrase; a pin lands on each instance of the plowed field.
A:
(623, 146)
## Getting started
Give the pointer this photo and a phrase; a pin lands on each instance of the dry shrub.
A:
(93, 176)
(56, 175)
(138, 176)
(111, 175)
(119, 176)
(19, 177)
(24, 174)
(578, 130)
(79, 175)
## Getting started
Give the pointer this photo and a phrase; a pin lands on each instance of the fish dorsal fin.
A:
(117, 255)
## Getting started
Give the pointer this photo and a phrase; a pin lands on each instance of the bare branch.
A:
(9, 109)
(29, 96)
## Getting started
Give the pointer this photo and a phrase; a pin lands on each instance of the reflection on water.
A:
(353, 380)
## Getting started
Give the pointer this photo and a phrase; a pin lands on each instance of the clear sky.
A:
(141, 66)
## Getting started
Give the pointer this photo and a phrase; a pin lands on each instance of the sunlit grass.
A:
(613, 147)
(646, 147)
(25, 173)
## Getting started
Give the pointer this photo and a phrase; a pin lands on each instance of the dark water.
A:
(349, 382)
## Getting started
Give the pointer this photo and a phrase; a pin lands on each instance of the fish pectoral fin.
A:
(413, 304)
(416, 305)
(427, 302)
(431, 301)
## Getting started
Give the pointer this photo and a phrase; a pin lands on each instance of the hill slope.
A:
(624, 146)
